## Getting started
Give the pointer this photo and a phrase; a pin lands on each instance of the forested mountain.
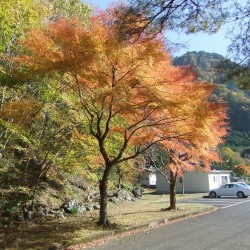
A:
(206, 65)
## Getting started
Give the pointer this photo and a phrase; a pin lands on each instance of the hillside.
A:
(206, 66)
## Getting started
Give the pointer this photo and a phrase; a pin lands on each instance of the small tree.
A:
(196, 150)
(241, 171)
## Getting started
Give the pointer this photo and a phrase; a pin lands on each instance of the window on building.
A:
(224, 179)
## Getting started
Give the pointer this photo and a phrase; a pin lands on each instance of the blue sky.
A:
(216, 43)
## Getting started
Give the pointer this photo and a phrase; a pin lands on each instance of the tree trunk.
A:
(44, 170)
(120, 182)
(173, 177)
(103, 187)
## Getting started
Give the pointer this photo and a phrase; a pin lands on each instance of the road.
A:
(223, 202)
(227, 228)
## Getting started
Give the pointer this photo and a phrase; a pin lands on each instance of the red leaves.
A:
(20, 113)
(130, 89)
(65, 45)
(242, 170)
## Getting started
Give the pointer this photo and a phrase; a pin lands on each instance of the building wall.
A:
(217, 179)
(148, 179)
(162, 185)
(194, 182)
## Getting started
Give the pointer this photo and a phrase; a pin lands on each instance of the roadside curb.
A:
(131, 229)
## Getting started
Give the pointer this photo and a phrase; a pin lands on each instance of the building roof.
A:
(150, 169)
(220, 171)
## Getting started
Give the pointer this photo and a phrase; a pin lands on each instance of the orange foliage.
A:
(242, 170)
(134, 83)
(130, 93)
(196, 150)
(20, 112)
(65, 45)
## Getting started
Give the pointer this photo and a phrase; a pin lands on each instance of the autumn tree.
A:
(39, 139)
(239, 48)
(36, 129)
(192, 17)
(20, 15)
(129, 93)
(197, 149)
(241, 170)
(16, 18)
(230, 158)
(188, 16)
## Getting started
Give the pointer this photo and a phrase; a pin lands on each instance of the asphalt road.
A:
(227, 228)
(222, 202)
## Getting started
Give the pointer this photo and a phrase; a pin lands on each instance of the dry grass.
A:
(76, 229)
(149, 208)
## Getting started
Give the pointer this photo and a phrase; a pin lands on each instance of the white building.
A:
(148, 177)
(195, 182)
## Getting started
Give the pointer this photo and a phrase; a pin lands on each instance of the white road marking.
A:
(219, 200)
(213, 204)
(213, 201)
(235, 204)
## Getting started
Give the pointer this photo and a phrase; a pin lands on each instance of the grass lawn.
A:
(82, 228)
